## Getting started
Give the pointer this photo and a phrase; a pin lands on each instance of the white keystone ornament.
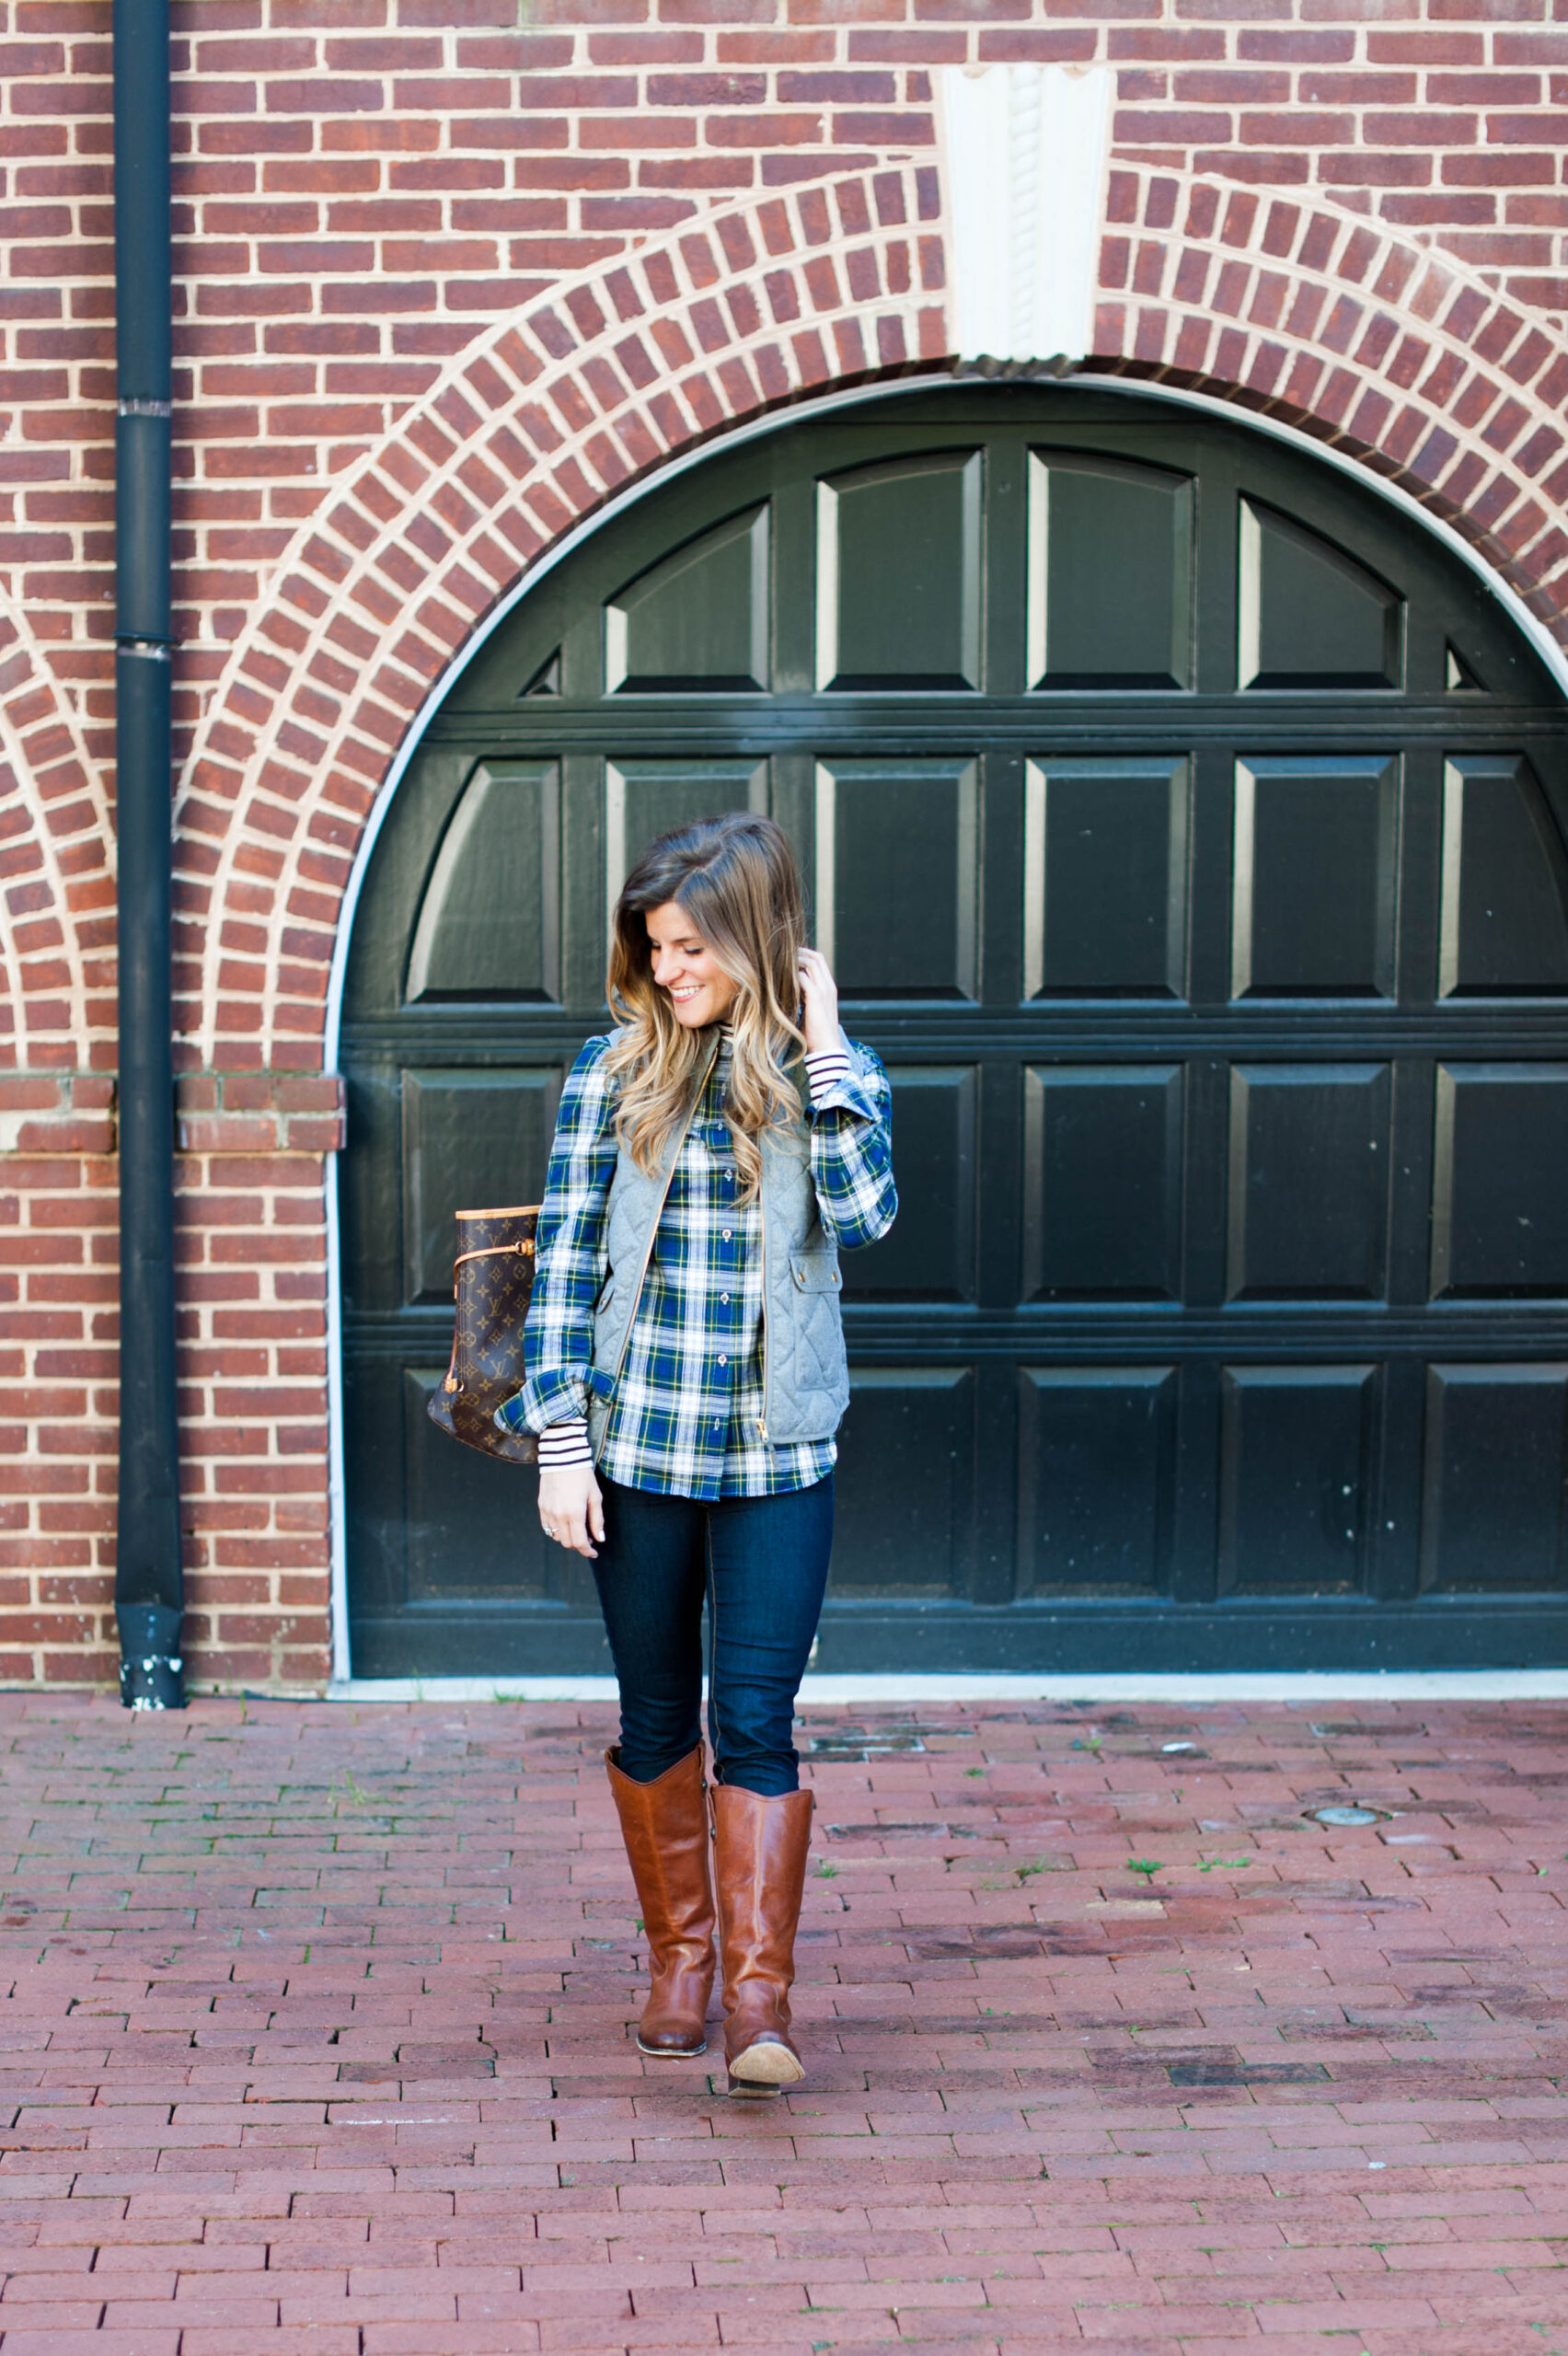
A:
(1026, 153)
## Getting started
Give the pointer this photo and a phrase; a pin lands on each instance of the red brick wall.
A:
(57, 1373)
(252, 1260)
(380, 418)
(362, 185)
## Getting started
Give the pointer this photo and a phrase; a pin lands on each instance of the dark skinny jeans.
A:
(762, 1564)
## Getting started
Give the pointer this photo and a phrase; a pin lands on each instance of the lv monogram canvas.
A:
(493, 1281)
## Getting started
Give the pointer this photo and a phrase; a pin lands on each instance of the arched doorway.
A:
(1187, 828)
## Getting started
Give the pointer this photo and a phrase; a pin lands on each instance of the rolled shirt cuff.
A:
(555, 1397)
(565, 1443)
(509, 1416)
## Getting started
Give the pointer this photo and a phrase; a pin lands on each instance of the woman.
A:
(685, 1340)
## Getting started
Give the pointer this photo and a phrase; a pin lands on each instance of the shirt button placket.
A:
(727, 1262)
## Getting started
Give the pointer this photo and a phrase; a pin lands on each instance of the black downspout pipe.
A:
(149, 1596)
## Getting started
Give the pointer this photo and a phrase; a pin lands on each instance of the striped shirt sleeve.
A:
(852, 1144)
(826, 1071)
(564, 1444)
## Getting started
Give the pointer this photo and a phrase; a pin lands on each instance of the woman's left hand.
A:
(820, 992)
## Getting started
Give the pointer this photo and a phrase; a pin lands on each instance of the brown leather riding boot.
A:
(664, 1826)
(761, 1872)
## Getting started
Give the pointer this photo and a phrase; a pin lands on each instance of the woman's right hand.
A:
(571, 1508)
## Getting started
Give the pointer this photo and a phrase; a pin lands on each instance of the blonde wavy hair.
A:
(736, 879)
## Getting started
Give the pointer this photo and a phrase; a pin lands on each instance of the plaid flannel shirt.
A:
(688, 1406)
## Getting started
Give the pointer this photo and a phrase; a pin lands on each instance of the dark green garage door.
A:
(1187, 831)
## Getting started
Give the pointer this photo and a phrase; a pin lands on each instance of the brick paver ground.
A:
(316, 2040)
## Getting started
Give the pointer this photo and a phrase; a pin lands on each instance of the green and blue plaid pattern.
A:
(687, 1415)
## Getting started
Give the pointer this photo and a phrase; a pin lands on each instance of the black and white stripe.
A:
(565, 1443)
(829, 1070)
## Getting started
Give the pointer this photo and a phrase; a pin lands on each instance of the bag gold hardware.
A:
(489, 1251)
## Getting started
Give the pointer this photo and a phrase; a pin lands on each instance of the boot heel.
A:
(742, 2090)
(764, 2069)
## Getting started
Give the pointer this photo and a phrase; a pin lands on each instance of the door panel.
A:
(930, 1255)
(1500, 1206)
(472, 1531)
(1309, 1182)
(1097, 1467)
(1313, 878)
(897, 862)
(643, 799)
(1225, 1322)
(1102, 1183)
(1105, 877)
(1109, 574)
(697, 621)
(471, 1140)
(905, 1498)
(1296, 1460)
(898, 574)
(490, 922)
(1310, 616)
(1497, 1478)
(1504, 905)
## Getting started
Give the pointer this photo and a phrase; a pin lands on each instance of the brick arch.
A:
(56, 845)
(528, 431)
(1364, 338)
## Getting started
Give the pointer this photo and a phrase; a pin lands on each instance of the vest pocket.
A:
(604, 1313)
(814, 1271)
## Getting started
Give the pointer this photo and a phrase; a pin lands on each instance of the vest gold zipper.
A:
(762, 1224)
(803, 1089)
(664, 1198)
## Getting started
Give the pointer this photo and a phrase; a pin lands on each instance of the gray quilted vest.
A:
(805, 1379)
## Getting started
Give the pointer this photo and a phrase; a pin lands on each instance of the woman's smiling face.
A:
(685, 968)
